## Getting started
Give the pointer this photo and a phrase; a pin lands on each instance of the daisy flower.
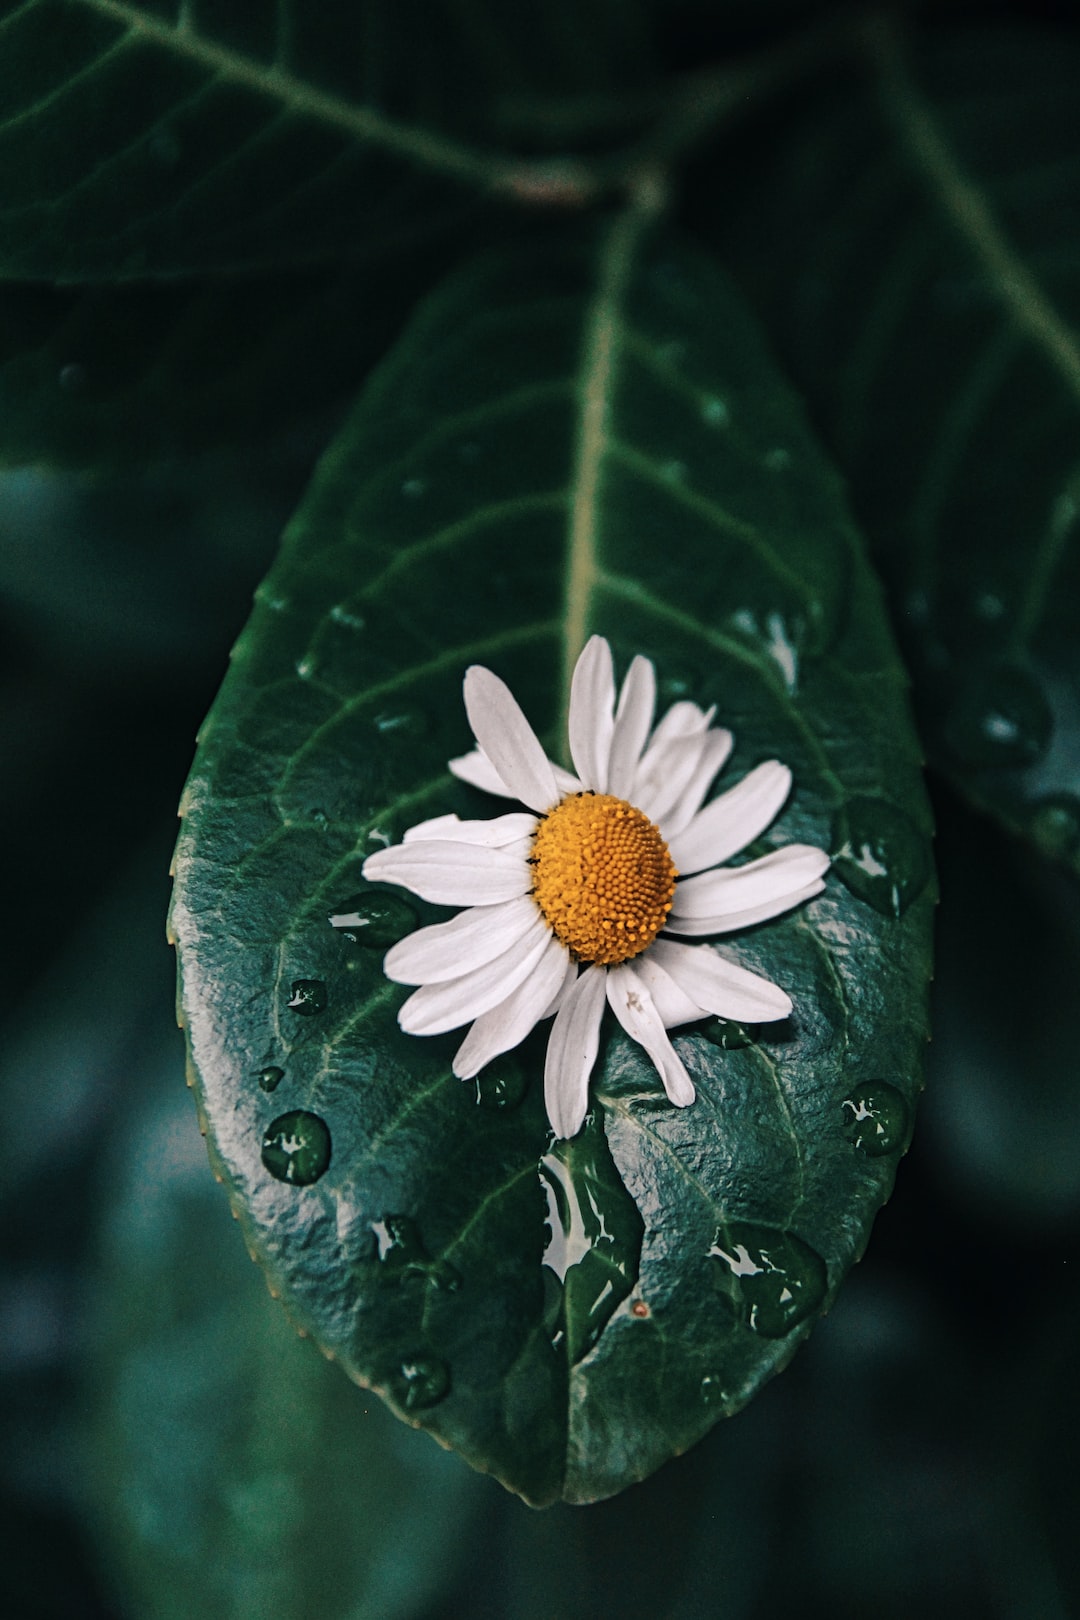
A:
(572, 902)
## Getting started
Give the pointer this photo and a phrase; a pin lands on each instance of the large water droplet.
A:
(1055, 825)
(421, 1380)
(773, 1278)
(375, 920)
(875, 1118)
(595, 1234)
(401, 1253)
(880, 855)
(502, 1084)
(308, 997)
(1001, 718)
(296, 1147)
(270, 1077)
(404, 722)
(726, 1033)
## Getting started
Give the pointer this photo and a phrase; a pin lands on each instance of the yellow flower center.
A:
(602, 876)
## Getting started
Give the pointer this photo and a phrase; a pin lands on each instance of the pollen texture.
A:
(602, 876)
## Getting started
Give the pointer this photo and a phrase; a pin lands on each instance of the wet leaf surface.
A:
(583, 437)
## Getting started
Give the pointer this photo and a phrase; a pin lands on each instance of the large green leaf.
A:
(142, 137)
(231, 1471)
(918, 253)
(585, 436)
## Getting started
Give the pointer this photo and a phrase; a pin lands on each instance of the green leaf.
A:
(584, 436)
(231, 1471)
(933, 320)
(141, 137)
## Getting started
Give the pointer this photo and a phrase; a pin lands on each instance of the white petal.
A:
(699, 926)
(592, 713)
(448, 949)
(452, 874)
(508, 740)
(671, 1001)
(714, 755)
(679, 739)
(720, 986)
(571, 1053)
(633, 717)
(675, 769)
(479, 772)
(435, 1008)
(569, 979)
(507, 1025)
(633, 1006)
(769, 881)
(733, 820)
(493, 834)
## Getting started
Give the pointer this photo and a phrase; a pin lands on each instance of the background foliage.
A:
(157, 435)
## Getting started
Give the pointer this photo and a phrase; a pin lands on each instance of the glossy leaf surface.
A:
(584, 436)
(154, 137)
(918, 259)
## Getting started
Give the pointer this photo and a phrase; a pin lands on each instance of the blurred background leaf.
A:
(174, 136)
(234, 1471)
(917, 254)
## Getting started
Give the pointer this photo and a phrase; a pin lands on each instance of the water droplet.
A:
(406, 722)
(716, 413)
(594, 1237)
(375, 920)
(728, 1034)
(1055, 825)
(270, 1077)
(502, 1084)
(305, 667)
(773, 1277)
(674, 472)
(342, 614)
(1001, 718)
(308, 997)
(72, 378)
(296, 1148)
(413, 488)
(381, 837)
(875, 1118)
(401, 1253)
(778, 459)
(880, 855)
(421, 1380)
(712, 1390)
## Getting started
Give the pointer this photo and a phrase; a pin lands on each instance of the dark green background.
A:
(918, 1455)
